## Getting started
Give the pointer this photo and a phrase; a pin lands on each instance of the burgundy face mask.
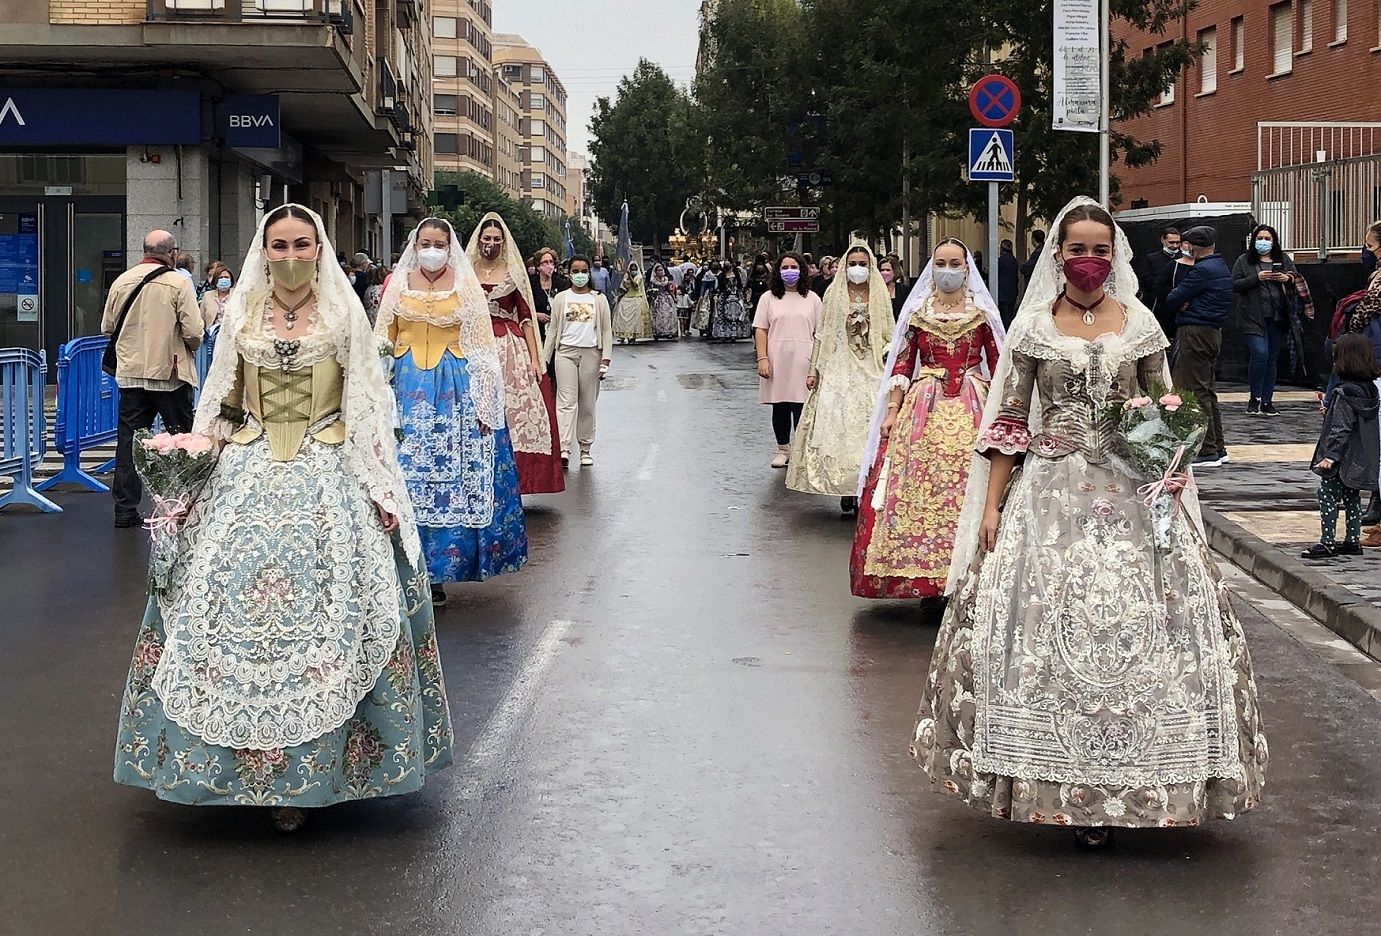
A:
(1087, 274)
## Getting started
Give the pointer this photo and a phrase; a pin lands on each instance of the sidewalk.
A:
(1260, 511)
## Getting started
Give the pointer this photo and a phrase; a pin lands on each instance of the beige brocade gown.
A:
(1080, 676)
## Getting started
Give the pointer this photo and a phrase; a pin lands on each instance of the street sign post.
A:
(814, 179)
(992, 159)
(800, 219)
(994, 100)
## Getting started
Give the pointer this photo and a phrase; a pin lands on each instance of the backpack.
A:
(1340, 313)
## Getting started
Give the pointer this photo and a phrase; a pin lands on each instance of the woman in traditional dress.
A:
(456, 455)
(730, 321)
(684, 301)
(925, 422)
(632, 317)
(291, 662)
(706, 293)
(527, 394)
(663, 304)
(1084, 675)
(784, 325)
(846, 366)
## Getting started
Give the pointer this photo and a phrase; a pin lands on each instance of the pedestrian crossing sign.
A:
(992, 155)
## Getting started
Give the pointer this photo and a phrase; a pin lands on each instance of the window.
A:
(538, 128)
(444, 105)
(539, 74)
(538, 180)
(447, 143)
(1340, 20)
(513, 72)
(444, 27)
(1306, 25)
(444, 66)
(537, 154)
(1282, 38)
(1239, 44)
(1167, 97)
(1208, 61)
(539, 103)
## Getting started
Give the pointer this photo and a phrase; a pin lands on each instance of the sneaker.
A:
(1207, 461)
(1223, 458)
(1253, 407)
(128, 520)
(1269, 409)
(1347, 549)
(1319, 551)
(565, 460)
(586, 459)
(438, 597)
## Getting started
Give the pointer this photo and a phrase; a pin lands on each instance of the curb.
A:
(1345, 613)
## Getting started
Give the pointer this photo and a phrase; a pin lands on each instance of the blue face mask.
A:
(1368, 259)
(223, 283)
(1263, 247)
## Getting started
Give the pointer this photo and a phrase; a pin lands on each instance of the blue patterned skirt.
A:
(284, 577)
(463, 482)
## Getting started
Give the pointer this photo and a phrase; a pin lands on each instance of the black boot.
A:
(1373, 515)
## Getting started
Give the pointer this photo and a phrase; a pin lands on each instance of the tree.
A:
(640, 152)
(465, 197)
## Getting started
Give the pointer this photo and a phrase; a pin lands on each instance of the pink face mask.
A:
(546, 268)
(1087, 274)
(887, 276)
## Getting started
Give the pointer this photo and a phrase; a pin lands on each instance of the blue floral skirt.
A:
(463, 482)
(283, 577)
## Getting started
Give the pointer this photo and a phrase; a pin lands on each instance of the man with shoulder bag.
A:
(155, 328)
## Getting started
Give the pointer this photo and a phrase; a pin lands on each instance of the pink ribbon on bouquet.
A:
(1172, 482)
(168, 515)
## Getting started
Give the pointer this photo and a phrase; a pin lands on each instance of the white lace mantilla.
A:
(285, 609)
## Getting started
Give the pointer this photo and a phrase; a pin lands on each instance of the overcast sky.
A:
(592, 45)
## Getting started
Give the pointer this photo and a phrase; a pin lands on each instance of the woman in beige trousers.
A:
(580, 341)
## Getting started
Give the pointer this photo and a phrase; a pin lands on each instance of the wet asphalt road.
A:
(675, 720)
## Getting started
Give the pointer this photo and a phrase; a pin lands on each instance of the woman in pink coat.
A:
(784, 335)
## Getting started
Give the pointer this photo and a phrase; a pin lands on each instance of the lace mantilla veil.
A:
(835, 318)
(1033, 333)
(513, 258)
(472, 316)
(367, 407)
(915, 301)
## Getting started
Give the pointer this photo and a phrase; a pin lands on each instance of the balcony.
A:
(335, 12)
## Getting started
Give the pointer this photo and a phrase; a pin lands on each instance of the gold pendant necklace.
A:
(290, 313)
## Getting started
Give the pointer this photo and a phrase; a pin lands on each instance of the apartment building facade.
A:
(542, 113)
(1280, 111)
(463, 86)
(196, 116)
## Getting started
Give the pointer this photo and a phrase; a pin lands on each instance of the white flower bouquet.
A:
(175, 468)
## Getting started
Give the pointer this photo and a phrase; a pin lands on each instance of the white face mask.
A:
(858, 275)
(949, 280)
(432, 258)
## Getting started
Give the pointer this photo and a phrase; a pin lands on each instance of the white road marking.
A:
(661, 396)
(649, 462)
(497, 734)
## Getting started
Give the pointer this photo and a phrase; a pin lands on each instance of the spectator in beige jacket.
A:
(155, 348)
(580, 342)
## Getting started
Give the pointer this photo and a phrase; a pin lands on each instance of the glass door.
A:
(98, 256)
(21, 273)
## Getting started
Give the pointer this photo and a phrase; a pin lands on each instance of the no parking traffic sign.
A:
(994, 100)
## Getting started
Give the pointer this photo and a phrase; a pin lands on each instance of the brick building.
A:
(543, 118)
(1281, 111)
(194, 115)
(463, 85)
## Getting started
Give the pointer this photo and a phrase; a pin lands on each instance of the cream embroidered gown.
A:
(293, 660)
(1080, 677)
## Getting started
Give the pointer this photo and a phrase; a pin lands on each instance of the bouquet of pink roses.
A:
(1158, 437)
(174, 467)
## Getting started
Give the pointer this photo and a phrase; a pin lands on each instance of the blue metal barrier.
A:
(21, 425)
(88, 411)
(205, 352)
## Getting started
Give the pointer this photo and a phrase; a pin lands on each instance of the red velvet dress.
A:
(910, 505)
(529, 405)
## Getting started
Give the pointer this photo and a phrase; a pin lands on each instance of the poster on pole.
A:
(1075, 94)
